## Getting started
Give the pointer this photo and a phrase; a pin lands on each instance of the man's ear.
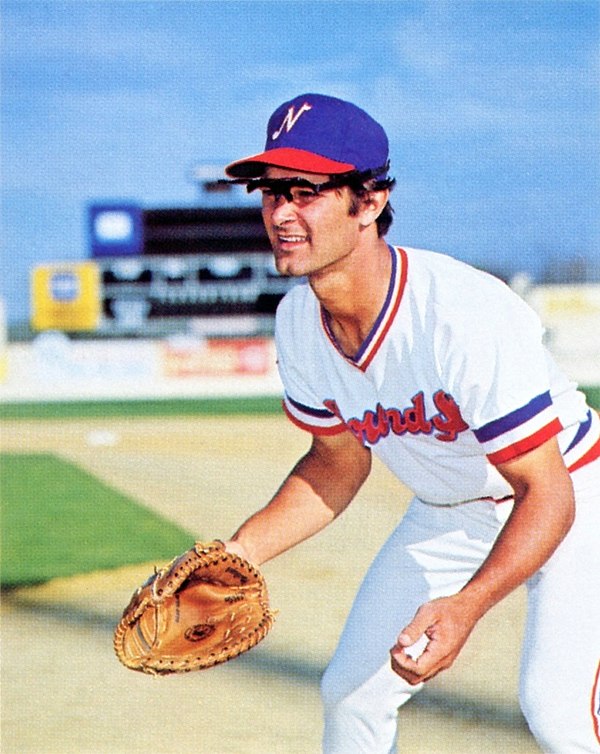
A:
(372, 205)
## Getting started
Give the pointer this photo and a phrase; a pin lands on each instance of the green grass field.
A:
(59, 520)
(155, 407)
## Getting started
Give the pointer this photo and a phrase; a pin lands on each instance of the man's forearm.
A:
(318, 489)
(543, 513)
(294, 514)
(542, 516)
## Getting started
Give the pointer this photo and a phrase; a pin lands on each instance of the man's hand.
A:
(443, 625)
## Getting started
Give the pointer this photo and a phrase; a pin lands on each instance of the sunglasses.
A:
(301, 190)
(298, 190)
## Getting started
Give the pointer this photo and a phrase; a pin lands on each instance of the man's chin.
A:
(286, 268)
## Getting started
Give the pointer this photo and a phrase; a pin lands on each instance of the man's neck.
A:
(353, 294)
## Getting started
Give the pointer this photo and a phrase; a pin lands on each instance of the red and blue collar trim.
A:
(366, 353)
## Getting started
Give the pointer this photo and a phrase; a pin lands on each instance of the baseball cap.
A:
(315, 133)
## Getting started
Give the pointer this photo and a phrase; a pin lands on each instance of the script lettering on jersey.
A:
(290, 120)
(377, 424)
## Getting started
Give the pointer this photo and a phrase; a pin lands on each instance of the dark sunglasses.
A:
(293, 188)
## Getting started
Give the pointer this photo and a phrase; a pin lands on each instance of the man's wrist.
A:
(237, 548)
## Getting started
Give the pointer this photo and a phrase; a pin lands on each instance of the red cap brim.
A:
(289, 158)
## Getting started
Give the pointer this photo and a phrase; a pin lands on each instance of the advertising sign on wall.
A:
(65, 296)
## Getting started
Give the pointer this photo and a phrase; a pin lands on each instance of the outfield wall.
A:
(571, 316)
(54, 367)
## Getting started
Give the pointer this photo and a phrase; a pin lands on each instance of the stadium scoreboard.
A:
(157, 268)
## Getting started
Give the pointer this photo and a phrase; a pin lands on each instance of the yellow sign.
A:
(66, 296)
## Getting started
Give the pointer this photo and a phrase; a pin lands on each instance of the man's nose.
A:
(282, 210)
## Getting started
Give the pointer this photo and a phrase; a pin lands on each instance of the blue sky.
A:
(492, 109)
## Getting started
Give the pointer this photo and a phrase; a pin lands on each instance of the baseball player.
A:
(438, 369)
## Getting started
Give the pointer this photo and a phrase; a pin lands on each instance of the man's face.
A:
(313, 231)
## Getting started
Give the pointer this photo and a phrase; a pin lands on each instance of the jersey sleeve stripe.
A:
(526, 444)
(520, 433)
(315, 429)
(584, 428)
(514, 419)
(585, 446)
(592, 454)
(320, 413)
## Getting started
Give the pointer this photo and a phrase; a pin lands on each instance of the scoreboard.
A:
(152, 293)
(158, 268)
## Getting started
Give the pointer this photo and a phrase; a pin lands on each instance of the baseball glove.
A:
(205, 607)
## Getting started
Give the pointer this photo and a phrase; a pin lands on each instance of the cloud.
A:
(464, 70)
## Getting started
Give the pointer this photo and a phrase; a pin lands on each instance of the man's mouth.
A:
(291, 238)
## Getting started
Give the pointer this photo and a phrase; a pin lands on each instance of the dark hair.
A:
(360, 190)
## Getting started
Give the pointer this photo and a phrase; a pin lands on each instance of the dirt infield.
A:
(63, 691)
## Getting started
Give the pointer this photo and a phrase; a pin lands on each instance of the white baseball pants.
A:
(433, 553)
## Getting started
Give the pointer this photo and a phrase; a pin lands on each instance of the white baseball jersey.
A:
(452, 380)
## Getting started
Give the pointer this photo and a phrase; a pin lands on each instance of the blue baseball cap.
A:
(315, 133)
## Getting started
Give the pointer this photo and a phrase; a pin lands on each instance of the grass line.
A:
(167, 407)
(154, 407)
